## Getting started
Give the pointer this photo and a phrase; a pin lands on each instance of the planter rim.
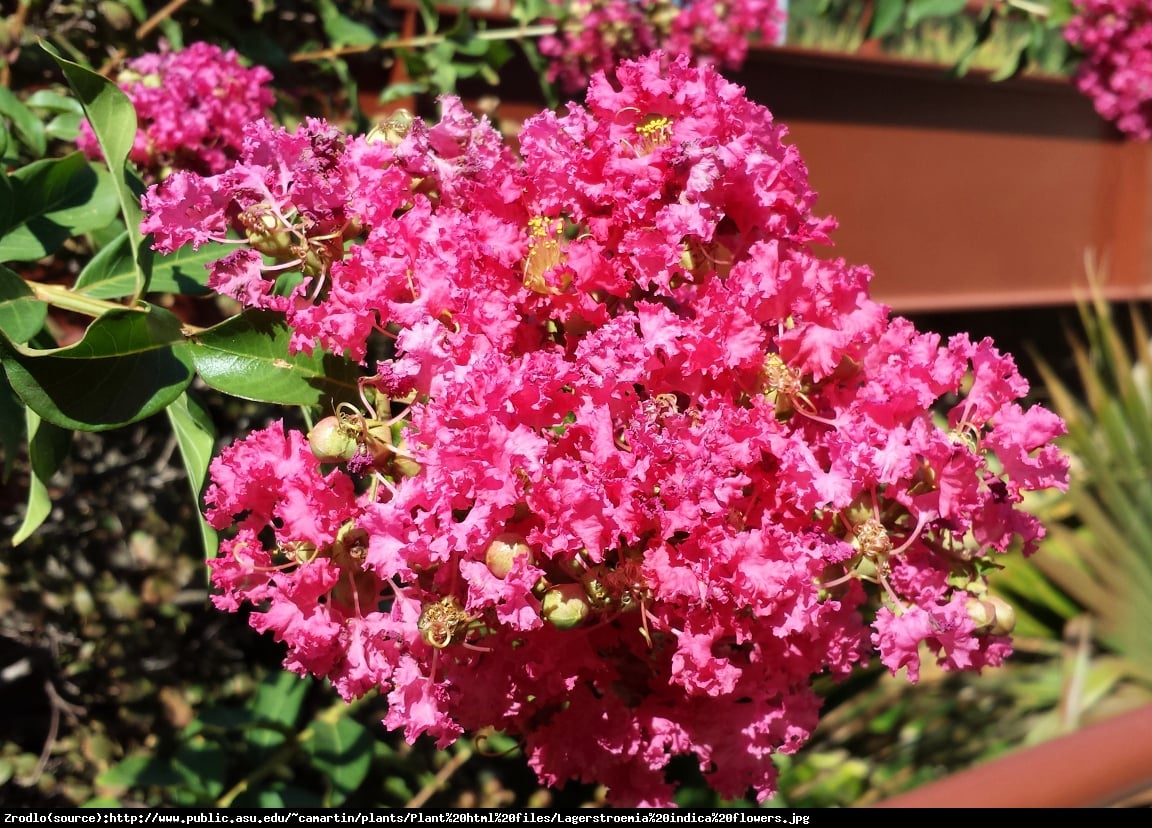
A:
(1099, 765)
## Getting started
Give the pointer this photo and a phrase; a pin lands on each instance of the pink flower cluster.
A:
(636, 465)
(1116, 38)
(594, 35)
(192, 106)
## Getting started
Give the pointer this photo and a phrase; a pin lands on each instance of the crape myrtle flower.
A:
(594, 35)
(642, 462)
(191, 105)
(1116, 72)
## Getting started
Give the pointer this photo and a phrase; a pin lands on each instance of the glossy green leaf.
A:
(196, 437)
(113, 120)
(64, 127)
(22, 315)
(921, 9)
(53, 200)
(129, 365)
(247, 356)
(50, 100)
(47, 448)
(25, 124)
(342, 750)
(111, 273)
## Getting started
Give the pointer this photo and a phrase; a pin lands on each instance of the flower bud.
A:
(332, 441)
(565, 606)
(503, 551)
(992, 615)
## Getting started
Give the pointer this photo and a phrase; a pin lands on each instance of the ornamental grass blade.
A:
(1102, 555)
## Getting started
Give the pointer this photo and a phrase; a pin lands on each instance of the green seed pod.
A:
(502, 552)
(565, 606)
(1004, 621)
(332, 441)
(992, 615)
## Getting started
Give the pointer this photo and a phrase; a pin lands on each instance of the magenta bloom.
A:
(1116, 39)
(594, 35)
(641, 464)
(191, 106)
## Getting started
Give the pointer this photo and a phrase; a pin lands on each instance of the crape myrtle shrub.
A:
(639, 463)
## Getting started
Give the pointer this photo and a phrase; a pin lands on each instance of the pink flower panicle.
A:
(191, 106)
(1116, 72)
(642, 464)
(594, 35)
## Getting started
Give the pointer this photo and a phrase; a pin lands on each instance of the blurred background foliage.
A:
(120, 684)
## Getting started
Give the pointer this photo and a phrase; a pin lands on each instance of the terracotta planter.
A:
(962, 193)
(1100, 765)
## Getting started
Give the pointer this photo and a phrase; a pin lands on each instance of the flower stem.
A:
(425, 40)
(61, 297)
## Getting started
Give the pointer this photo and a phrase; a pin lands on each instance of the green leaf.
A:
(113, 120)
(135, 771)
(52, 101)
(7, 202)
(342, 30)
(920, 9)
(24, 123)
(53, 200)
(277, 701)
(12, 429)
(102, 801)
(203, 764)
(22, 315)
(247, 356)
(47, 448)
(196, 437)
(342, 751)
(282, 796)
(64, 127)
(111, 273)
(129, 365)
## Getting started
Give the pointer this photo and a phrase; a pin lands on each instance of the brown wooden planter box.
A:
(963, 193)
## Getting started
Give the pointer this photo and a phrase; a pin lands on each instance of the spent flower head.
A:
(640, 463)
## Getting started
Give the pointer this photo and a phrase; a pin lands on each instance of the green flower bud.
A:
(332, 441)
(992, 615)
(503, 551)
(565, 606)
